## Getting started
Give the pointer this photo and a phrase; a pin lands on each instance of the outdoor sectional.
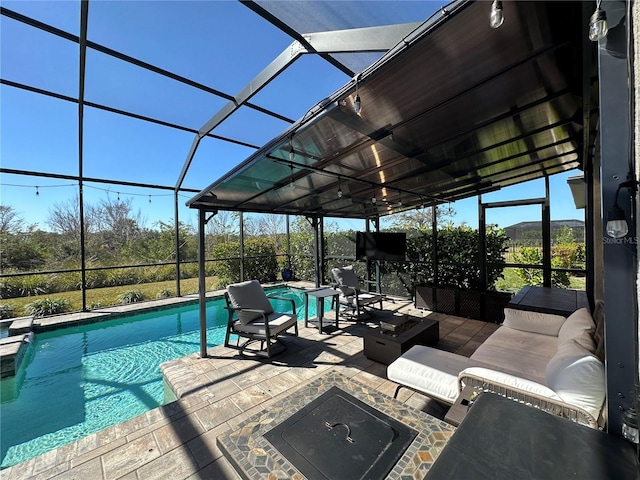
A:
(548, 361)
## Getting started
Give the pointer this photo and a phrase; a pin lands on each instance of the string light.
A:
(598, 24)
(292, 154)
(339, 189)
(496, 18)
(357, 103)
(291, 183)
(37, 191)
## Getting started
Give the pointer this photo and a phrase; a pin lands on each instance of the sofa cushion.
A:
(579, 326)
(577, 376)
(495, 376)
(434, 372)
(249, 295)
(544, 323)
(520, 353)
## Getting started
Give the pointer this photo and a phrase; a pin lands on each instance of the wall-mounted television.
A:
(388, 246)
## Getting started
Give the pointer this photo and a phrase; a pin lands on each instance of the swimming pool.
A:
(78, 380)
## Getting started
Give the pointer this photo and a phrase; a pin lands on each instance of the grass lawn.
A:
(103, 297)
(512, 282)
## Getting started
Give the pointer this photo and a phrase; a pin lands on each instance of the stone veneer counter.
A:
(254, 457)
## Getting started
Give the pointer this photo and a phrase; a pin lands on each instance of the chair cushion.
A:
(346, 277)
(249, 295)
(544, 323)
(429, 370)
(577, 376)
(579, 326)
(278, 322)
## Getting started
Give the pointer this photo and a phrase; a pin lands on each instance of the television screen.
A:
(388, 246)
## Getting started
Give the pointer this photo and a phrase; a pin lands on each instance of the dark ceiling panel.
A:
(461, 109)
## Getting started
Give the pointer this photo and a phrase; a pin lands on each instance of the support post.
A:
(316, 247)
(177, 240)
(202, 283)
(620, 255)
(482, 244)
(241, 246)
(546, 237)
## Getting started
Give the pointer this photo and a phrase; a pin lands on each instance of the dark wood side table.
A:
(559, 301)
(500, 439)
(385, 347)
(458, 410)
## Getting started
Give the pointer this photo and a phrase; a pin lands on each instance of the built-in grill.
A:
(337, 436)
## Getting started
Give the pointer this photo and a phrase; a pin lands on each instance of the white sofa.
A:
(548, 361)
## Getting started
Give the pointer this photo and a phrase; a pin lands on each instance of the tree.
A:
(64, 218)
(117, 223)
(421, 218)
(273, 226)
(223, 226)
(10, 221)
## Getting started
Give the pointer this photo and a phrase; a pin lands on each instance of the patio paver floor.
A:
(178, 440)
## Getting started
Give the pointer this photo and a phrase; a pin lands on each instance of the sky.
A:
(221, 44)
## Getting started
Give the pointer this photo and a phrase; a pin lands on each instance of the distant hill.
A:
(533, 230)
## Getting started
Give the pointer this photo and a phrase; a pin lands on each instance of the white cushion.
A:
(579, 326)
(494, 376)
(278, 322)
(577, 376)
(249, 295)
(544, 323)
(434, 372)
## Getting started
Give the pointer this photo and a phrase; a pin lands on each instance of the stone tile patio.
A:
(216, 394)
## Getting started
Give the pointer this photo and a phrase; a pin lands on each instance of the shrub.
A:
(534, 276)
(131, 296)
(7, 310)
(47, 306)
(165, 293)
(122, 276)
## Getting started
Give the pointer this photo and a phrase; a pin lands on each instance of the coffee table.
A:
(386, 347)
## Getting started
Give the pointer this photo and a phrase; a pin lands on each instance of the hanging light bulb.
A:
(617, 226)
(496, 18)
(37, 191)
(598, 24)
(292, 154)
(357, 103)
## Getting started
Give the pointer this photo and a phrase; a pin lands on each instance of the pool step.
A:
(20, 325)
(12, 351)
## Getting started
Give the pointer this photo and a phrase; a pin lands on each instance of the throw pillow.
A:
(577, 376)
(579, 326)
(249, 295)
(544, 323)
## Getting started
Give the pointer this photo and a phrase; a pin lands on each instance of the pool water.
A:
(76, 381)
